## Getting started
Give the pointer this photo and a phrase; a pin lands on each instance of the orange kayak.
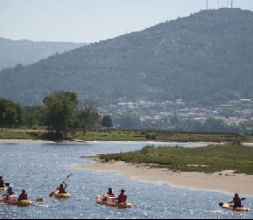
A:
(110, 201)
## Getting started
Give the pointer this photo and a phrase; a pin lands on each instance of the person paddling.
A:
(61, 188)
(10, 192)
(23, 196)
(1, 182)
(237, 201)
(109, 193)
(122, 197)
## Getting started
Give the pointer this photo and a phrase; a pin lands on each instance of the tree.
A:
(10, 113)
(61, 113)
(34, 116)
(88, 118)
(215, 125)
(107, 121)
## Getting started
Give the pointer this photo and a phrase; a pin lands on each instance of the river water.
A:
(40, 168)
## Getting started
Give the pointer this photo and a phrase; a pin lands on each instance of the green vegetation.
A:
(209, 159)
(65, 118)
(11, 113)
(107, 121)
(201, 58)
(127, 135)
(22, 134)
(61, 113)
(116, 135)
(195, 137)
(60, 110)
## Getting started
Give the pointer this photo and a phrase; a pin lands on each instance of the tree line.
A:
(61, 113)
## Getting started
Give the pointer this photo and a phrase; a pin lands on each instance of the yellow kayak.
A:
(24, 203)
(230, 206)
(61, 195)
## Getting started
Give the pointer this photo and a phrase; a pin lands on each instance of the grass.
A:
(22, 134)
(129, 135)
(111, 136)
(209, 159)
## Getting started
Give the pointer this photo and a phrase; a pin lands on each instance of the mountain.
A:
(203, 58)
(13, 52)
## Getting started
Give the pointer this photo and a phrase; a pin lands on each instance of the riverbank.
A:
(225, 181)
(128, 135)
(27, 141)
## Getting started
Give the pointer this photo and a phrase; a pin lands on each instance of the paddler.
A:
(237, 201)
(23, 196)
(1, 182)
(109, 193)
(61, 188)
(122, 197)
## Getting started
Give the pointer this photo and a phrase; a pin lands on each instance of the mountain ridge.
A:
(12, 51)
(205, 57)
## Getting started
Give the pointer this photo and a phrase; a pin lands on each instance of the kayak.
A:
(12, 200)
(230, 206)
(24, 203)
(61, 195)
(110, 201)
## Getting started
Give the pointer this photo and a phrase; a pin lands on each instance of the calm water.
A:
(39, 168)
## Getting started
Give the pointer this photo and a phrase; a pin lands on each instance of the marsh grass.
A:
(208, 159)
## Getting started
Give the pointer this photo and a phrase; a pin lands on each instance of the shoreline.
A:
(77, 141)
(225, 182)
(30, 141)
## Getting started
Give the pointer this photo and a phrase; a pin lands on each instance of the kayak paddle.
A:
(222, 203)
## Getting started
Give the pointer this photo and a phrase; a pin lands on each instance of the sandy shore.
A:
(26, 141)
(225, 181)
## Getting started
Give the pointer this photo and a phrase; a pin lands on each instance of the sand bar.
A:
(225, 181)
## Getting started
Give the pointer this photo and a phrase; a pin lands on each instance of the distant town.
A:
(169, 113)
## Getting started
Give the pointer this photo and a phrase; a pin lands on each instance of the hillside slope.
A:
(206, 57)
(13, 52)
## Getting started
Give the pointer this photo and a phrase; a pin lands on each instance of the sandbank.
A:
(225, 181)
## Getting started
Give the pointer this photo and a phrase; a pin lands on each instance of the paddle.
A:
(222, 203)
(52, 193)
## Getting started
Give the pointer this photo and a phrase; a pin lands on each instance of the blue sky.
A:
(93, 20)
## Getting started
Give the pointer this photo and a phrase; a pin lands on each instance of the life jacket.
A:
(108, 194)
(122, 198)
(10, 192)
(23, 196)
(237, 202)
(62, 190)
(1, 183)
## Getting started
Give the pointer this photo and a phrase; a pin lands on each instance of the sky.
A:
(93, 20)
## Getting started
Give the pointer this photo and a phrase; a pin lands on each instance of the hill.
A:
(13, 52)
(204, 58)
